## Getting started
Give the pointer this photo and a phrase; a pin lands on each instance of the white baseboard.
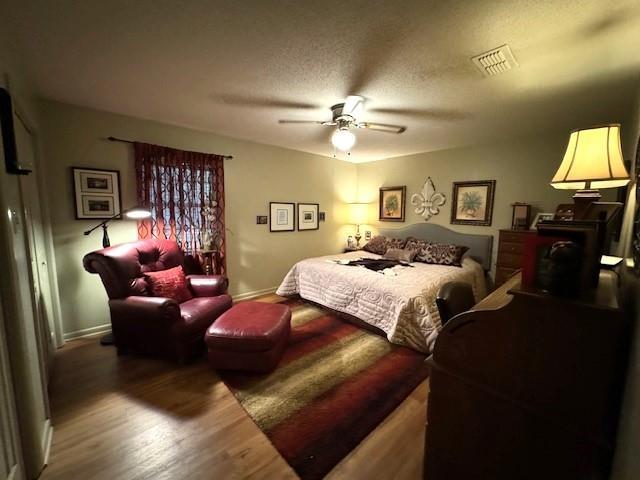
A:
(85, 332)
(47, 439)
(254, 294)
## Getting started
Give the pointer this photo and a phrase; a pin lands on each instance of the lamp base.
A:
(358, 237)
(582, 199)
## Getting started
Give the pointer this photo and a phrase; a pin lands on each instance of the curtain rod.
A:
(114, 139)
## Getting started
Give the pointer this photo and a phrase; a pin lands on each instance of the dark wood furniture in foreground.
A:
(528, 386)
(510, 253)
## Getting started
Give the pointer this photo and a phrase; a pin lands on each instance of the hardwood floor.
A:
(141, 418)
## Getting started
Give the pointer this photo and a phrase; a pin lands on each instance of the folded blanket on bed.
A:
(376, 264)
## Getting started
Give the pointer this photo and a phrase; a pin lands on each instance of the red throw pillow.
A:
(171, 283)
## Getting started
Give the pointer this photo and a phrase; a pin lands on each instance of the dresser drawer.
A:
(510, 247)
(513, 236)
(510, 260)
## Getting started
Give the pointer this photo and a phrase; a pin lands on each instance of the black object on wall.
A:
(9, 136)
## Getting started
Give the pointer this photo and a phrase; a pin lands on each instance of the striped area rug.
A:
(335, 384)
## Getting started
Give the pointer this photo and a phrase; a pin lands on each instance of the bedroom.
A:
(216, 77)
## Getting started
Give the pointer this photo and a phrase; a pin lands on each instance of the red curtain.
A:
(185, 193)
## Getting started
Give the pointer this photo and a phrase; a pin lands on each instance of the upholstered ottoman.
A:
(250, 336)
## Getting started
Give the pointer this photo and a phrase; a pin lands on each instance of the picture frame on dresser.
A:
(520, 216)
(541, 217)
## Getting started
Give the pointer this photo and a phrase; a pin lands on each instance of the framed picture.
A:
(308, 216)
(564, 211)
(540, 217)
(472, 202)
(392, 204)
(521, 216)
(96, 193)
(282, 217)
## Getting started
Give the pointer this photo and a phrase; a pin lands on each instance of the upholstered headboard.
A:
(479, 245)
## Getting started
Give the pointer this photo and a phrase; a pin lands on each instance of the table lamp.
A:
(134, 213)
(593, 160)
(357, 217)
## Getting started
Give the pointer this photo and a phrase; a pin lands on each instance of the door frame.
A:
(56, 328)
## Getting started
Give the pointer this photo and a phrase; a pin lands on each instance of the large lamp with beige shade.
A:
(358, 215)
(593, 160)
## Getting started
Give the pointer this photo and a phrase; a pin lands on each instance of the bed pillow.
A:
(441, 254)
(415, 244)
(171, 283)
(380, 244)
(400, 254)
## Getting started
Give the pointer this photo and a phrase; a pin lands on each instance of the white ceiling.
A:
(235, 67)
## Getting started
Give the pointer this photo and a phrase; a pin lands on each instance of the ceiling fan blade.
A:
(424, 113)
(353, 106)
(313, 122)
(381, 127)
(266, 102)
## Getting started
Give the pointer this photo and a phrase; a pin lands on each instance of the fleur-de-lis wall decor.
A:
(428, 201)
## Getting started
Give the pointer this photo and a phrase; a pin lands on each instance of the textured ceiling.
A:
(236, 67)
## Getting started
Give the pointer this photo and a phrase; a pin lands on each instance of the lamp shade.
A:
(593, 160)
(358, 213)
(137, 213)
(343, 139)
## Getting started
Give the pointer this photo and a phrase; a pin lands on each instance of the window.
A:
(185, 193)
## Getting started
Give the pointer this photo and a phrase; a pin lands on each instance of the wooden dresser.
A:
(510, 253)
(528, 386)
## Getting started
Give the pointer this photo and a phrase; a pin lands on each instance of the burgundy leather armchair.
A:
(156, 325)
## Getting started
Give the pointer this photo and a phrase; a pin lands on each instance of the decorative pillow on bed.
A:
(415, 244)
(171, 283)
(400, 254)
(380, 244)
(441, 254)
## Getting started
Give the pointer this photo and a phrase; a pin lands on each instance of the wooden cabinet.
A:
(510, 253)
(528, 386)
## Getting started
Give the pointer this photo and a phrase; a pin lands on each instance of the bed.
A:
(401, 303)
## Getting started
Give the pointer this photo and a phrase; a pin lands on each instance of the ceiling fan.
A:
(345, 118)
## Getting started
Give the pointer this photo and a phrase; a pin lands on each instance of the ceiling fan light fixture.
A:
(343, 139)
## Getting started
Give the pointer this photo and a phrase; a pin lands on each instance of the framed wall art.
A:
(96, 193)
(391, 208)
(282, 217)
(308, 216)
(472, 202)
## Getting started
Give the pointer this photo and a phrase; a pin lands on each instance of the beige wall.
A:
(257, 259)
(521, 167)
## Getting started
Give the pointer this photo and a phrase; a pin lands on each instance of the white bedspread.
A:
(402, 305)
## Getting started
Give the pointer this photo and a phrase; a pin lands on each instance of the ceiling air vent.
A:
(496, 61)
